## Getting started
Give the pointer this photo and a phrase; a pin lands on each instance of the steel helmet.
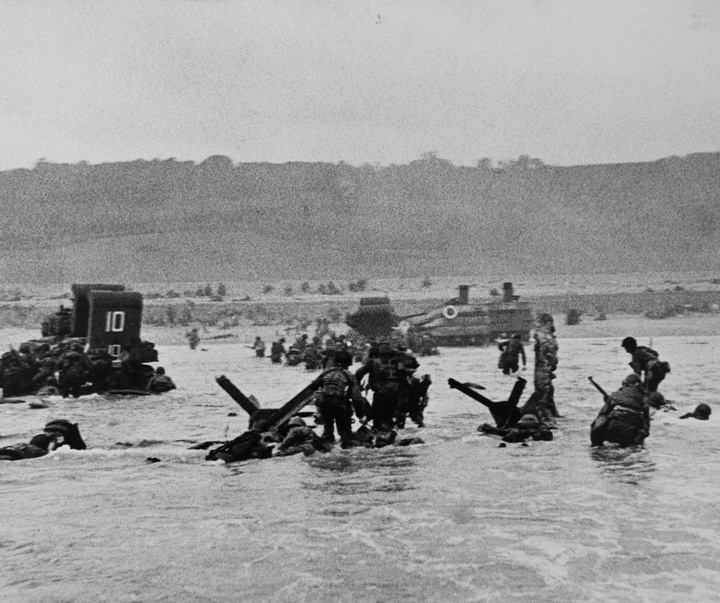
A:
(632, 379)
(629, 343)
(343, 358)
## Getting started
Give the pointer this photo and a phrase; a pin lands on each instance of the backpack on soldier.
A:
(386, 380)
(335, 384)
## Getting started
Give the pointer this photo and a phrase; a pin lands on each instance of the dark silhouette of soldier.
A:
(384, 377)
(511, 352)
(339, 392)
(277, 351)
(646, 363)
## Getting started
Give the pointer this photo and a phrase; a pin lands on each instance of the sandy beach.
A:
(284, 308)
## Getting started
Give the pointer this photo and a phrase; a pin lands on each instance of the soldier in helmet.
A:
(277, 351)
(16, 373)
(413, 401)
(293, 356)
(39, 445)
(301, 438)
(412, 397)
(511, 351)
(301, 343)
(259, 347)
(56, 433)
(193, 338)
(160, 382)
(702, 412)
(339, 393)
(312, 356)
(646, 363)
(528, 427)
(625, 417)
(74, 371)
(384, 377)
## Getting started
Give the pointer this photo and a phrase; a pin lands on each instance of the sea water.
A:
(458, 518)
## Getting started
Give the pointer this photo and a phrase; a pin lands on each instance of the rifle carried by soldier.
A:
(605, 395)
(597, 429)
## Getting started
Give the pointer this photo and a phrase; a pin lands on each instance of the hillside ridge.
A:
(167, 220)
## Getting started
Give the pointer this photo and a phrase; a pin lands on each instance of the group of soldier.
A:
(625, 417)
(339, 397)
(317, 352)
(313, 352)
(388, 370)
(537, 417)
(66, 368)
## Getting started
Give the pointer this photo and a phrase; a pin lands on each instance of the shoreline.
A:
(615, 327)
(690, 303)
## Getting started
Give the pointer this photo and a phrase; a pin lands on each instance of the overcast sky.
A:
(568, 81)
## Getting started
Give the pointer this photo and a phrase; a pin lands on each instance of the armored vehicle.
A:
(374, 318)
(462, 323)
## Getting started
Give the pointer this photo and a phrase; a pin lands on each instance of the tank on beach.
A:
(461, 322)
(374, 318)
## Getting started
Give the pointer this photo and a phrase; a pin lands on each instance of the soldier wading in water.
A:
(512, 350)
(646, 362)
(339, 392)
(625, 417)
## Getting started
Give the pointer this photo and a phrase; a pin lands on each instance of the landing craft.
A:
(102, 329)
(462, 323)
(458, 323)
(103, 318)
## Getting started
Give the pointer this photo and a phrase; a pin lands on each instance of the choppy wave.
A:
(455, 519)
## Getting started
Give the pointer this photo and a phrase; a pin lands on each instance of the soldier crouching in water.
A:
(339, 392)
(625, 418)
(160, 382)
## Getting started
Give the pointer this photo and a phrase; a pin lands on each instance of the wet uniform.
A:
(74, 371)
(511, 352)
(625, 418)
(338, 392)
(646, 361)
(302, 438)
(259, 347)
(277, 350)
(16, 373)
(384, 381)
(159, 384)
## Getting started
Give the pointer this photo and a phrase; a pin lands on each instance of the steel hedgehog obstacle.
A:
(95, 346)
